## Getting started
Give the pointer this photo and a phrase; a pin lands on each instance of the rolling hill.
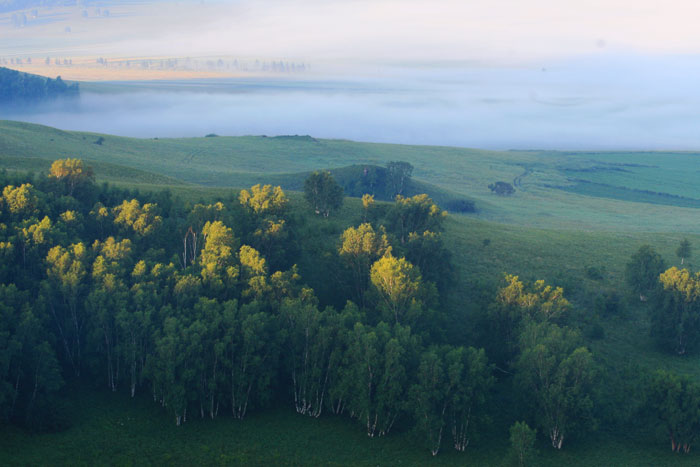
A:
(605, 191)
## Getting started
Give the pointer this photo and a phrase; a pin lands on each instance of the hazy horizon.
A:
(587, 74)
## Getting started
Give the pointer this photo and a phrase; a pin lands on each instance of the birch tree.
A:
(252, 352)
(310, 344)
(557, 373)
(66, 271)
(378, 361)
(398, 285)
(360, 248)
(675, 402)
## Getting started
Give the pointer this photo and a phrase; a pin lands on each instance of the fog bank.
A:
(614, 103)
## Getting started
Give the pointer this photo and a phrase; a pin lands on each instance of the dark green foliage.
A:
(642, 272)
(323, 193)
(558, 375)
(595, 273)
(29, 371)
(17, 89)
(379, 360)
(516, 305)
(414, 215)
(398, 175)
(609, 303)
(452, 388)
(201, 308)
(358, 180)
(502, 188)
(522, 443)
(675, 402)
(684, 250)
(675, 314)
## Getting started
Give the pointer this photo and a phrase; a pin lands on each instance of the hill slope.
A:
(547, 191)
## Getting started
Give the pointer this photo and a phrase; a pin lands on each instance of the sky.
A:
(495, 31)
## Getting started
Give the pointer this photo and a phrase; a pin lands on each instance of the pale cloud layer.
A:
(504, 31)
(494, 30)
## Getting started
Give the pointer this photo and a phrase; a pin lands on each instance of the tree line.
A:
(18, 88)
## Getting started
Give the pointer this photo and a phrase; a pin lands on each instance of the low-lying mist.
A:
(611, 104)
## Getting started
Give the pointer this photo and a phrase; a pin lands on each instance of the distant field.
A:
(243, 161)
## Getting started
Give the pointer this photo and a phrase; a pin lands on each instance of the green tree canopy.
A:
(675, 402)
(360, 248)
(71, 172)
(144, 220)
(398, 175)
(557, 374)
(398, 284)
(415, 214)
(323, 193)
(21, 200)
(684, 250)
(264, 199)
(642, 272)
(676, 311)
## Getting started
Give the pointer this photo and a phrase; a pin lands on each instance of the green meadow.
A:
(655, 193)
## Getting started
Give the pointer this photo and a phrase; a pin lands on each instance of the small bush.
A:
(522, 443)
(595, 273)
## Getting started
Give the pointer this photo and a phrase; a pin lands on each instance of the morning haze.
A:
(349, 232)
(593, 78)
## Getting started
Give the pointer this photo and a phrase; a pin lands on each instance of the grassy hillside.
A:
(549, 191)
(597, 232)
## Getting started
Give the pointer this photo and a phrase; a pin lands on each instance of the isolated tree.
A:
(323, 193)
(557, 374)
(72, 172)
(675, 402)
(502, 188)
(684, 250)
(642, 272)
(398, 175)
